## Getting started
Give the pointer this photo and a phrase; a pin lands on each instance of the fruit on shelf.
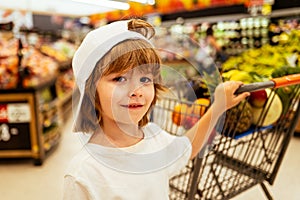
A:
(285, 70)
(9, 61)
(270, 113)
(50, 51)
(258, 98)
(268, 61)
(62, 51)
(8, 47)
(65, 83)
(238, 75)
(242, 76)
(37, 68)
(9, 72)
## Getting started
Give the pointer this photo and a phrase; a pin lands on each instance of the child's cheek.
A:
(119, 93)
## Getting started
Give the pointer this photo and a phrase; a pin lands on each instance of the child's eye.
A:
(145, 80)
(119, 79)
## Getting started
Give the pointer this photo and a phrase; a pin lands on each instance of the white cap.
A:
(94, 46)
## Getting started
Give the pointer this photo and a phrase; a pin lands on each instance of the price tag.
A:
(18, 113)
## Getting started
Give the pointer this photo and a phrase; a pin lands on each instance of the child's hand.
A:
(225, 97)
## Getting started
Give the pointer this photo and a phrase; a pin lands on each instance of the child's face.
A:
(125, 98)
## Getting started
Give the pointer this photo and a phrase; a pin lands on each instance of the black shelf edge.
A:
(213, 11)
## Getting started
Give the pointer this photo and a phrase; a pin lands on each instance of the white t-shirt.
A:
(141, 171)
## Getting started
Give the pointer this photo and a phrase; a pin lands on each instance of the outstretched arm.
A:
(224, 99)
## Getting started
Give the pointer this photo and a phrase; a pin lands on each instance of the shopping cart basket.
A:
(236, 160)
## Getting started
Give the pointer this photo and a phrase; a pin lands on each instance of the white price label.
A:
(18, 113)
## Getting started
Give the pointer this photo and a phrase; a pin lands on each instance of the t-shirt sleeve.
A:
(74, 190)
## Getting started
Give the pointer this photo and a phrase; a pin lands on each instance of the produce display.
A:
(9, 62)
(262, 64)
(65, 83)
(262, 108)
(37, 68)
(8, 47)
(23, 65)
(9, 72)
(29, 64)
(255, 65)
(61, 51)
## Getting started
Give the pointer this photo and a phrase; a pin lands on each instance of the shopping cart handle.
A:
(287, 80)
(251, 87)
(273, 83)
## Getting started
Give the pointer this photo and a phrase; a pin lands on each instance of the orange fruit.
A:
(200, 105)
(179, 113)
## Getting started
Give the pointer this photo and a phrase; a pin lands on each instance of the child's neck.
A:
(118, 135)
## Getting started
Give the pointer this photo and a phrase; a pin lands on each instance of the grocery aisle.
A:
(22, 180)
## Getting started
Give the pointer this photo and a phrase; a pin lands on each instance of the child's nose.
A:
(136, 93)
(136, 90)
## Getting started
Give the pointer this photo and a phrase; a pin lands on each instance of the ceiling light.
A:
(150, 2)
(63, 7)
(106, 3)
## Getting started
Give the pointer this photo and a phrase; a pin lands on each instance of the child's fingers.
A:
(232, 86)
(242, 96)
(236, 85)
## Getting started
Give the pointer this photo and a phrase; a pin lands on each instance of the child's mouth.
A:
(133, 106)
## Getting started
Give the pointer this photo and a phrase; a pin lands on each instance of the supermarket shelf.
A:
(37, 129)
(203, 16)
(51, 138)
(286, 12)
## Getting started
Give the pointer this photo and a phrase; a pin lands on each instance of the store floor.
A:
(21, 180)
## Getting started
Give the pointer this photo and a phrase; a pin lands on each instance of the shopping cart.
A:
(233, 161)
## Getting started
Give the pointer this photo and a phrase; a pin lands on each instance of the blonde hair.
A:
(121, 58)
